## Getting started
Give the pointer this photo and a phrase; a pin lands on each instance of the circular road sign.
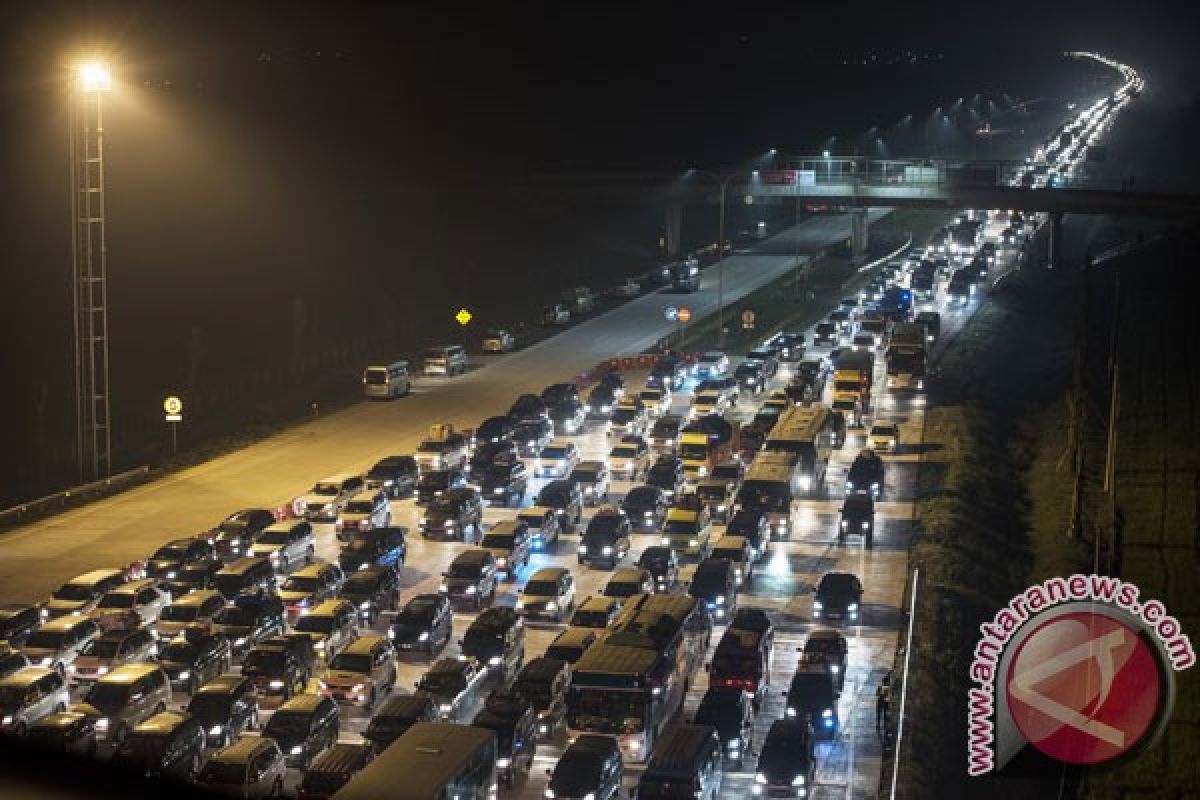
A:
(172, 405)
(684, 314)
(671, 313)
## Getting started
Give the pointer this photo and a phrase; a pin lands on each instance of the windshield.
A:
(590, 619)
(47, 640)
(708, 583)
(431, 447)
(651, 395)
(301, 583)
(145, 749)
(554, 452)
(209, 706)
(541, 588)
(443, 684)
(838, 584)
(267, 662)
(736, 665)
(606, 712)
(326, 489)
(123, 600)
(624, 452)
(107, 697)
(655, 557)
(677, 527)
(622, 589)
(376, 377)
(641, 496)
(767, 495)
(178, 653)
(622, 415)
(881, 430)
(499, 541)
(180, 613)
(101, 648)
(435, 354)
(74, 591)
(221, 773)
(458, 570)
(415, 614)
(237, 617)
(352, 662)
(274, 537)
(360, 507)
(811, 690)
(693, 451)
(604, 523)
(315, 624)
(734, 555)
(170, 553)
(287, 725)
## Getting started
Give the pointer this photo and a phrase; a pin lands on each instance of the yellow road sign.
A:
(172, 405)
(463, 316)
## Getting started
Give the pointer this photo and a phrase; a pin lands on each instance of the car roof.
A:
(133, 587)
(825, 633)
(96, 575)
(242, 750)
(64, 623)
(628, 574)
(223, 684)
(340, 477)
(304, 703)
(473, 556)
(575, 637)
(586, 466)
(162, 722)
(26, 676)
(128, 673)
(597, 602)
(543, 668)
(364, 644)
(340, 758)
(367, 494)
(196, 597)
(549, 574)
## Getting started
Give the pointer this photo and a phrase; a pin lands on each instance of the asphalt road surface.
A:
(35, 559)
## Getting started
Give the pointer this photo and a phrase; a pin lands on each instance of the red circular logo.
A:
(1084, 688)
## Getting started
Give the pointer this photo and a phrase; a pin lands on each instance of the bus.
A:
(430, 761)
(769, 487)
(632, 682)
(806, 433)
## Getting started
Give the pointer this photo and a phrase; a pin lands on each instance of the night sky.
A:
(347, 158)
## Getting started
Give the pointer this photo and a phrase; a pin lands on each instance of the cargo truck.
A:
(852, 378)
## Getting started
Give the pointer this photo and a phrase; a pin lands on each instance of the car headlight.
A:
(7, 720)
(446, 708)
(608, 551)
(548, 794)
(648, 515)
(275, 684)
(875, 485)
(582, 550)
(215, 730)
(694, 543)
(845, 524)
(827, 714)
(835, 669)
(605, 409)
(865, 526)
(472, 589)
(297, 750)
(666, 540)
(47, 661)
(520, 604)
(852, 607)
(503, 763)
(422, 521)
(185, 674)
(818, 605)
(721, 509)
(102, 724)
(449, 523)
(444, 587)
(498, 490)
(239, 641)
(759, 777)
(552, 606)
(720, 599)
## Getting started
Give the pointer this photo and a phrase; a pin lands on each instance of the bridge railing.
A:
(913, 173)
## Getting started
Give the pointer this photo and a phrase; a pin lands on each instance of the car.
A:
(324, 501)
(668, 474)
(124, 698)
(596, 612)
(591, 766)
(363, 512)
(645, 506)
(303, 727)
(195, 608)
(557, 459)
(568, 417)
(669, 372)
(59, 642)
(830, 646)
(725, 385)
(884, 437)
(730, 711)
(714, 584)
(11, 660)
(740, 553)
(661, 562)
(396, 476)
(787, 764)
(717, 497)
(614, 381)
(509, 542)
(310, 586)
(249, 767)
(708, 402)
(751, 376)
(629, 458)
(688, 531)
(373, 590)
(67, 732)
(471, 578)
(543, 527)
(629, 581)
(239, 530)
(434, 483)
(863, 341)
(607, 538)
(17, 621)
(193, 577)
(826, 334)
(167, 560)
(787, 346)
(195, 657)
(450, 516)
(495, 430)
(333, 769)
(380, 547)
(445, 359)
(226, 706)
(361, 673)
(331, 626)
(592, 479)
(567, 501)
(504, 483)
(628, 418)
(139, 602)
(858, 518)
(601, 402)
(498, 340)
(250, 619)
(549, 593)
(109, 650)
(656, 400)
(496, 641)
(866, 474)
(396, 716)
(513, 719)
(571, 644)
(531, 435)
(426, 623)
(557, 314)
(529, 407)
(838, 595)
(932, 322)
(286, 545)
(277, 673)
(711, 364)
(664, 433)
(770, 364)
(28, 695)
(455, 685)
(812, 697)
(557, 393)
(442, 448)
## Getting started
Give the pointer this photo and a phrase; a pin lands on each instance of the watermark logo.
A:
(1078, 668)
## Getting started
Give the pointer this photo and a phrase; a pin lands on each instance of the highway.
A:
(118, 530)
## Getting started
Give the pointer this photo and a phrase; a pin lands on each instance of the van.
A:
(81, 593)
(545, 682)
(685, 765)
(743, 660)
(124, 698)
(397, 716)
(446, 359)
(739, 552)
(59, 642)
(244, 576)
(168, 745)
(30, 694)
(303, 727)
(251, 767)
(333, 769)
(331, 625)
(287, 544)
(387, 383)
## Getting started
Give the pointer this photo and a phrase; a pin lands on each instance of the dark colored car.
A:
(858, 518)
(471, 578)
(167, 560)
(397, 716)
(528, 406)
(670, 372)
(333, 769)
(225, 707)
(451, 515)
(194, 576)
(614, 382)
(531, 435)
(866, 475)
(731, 712)
(646, 507)
(488, 453)
(504, 482)
(304, 727)
(545, 681)
(167, 745)
(276, 672)
(663, 563)
(436, 482)
(395, 475)
(513, 719)
(17, 621)
(380, 547)
(194, 658)
(372, 590)
(770, 364)
(568, 417)
(496, 639)
(828, 645)
(567, 501)
(455, 684)
(425, 624)
(249, 619)
(826, 333)
(494, 430)
(590, 767)
(70, 732)
(838, 595)
(667, 473)
(715, 585)
(607, 538)
(240, 530)
(788, 759)
(592, 479)
(557, 393)
(600, 402)
(812, 696)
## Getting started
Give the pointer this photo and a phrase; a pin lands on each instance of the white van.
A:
(387, 383)
(446, 359)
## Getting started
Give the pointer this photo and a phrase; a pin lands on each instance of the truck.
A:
(852, 378)
(906, 358)
(701, 451)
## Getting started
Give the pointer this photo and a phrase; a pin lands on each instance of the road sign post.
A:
(173, 410)
(748, 320)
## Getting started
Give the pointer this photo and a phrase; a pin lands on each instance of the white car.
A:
(557, 459)
(709, 403)
(657, 400)
(324, 501)
(629, 458)
(286, 545)
(147, 598)
(365, 511)
(498, 342)
(884, 437)
(711, 364)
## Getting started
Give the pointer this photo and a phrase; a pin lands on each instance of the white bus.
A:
(806, 433)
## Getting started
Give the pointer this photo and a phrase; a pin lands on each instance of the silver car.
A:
(28, 695)
(286, 545)
(58, 643)
(251, 767)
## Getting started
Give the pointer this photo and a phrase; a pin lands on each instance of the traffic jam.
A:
(683, 578)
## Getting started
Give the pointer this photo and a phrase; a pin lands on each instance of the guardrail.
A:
(56, 502)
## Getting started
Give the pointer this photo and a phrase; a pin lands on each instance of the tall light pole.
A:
(90, 272)
(722, 184)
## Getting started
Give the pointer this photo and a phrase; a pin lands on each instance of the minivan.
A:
(447, 359)
(496, 639)
(124, 698)
(28, 695)
(59, 642)
(167, 745)
(81, 593)
(397, 716)
(331, 625)
(333, 769)
(226, 707)
(363, 512)
(286, 545)
(304, 726)
(244, 576)
(387, 383)
(685, 765)
(251, 767)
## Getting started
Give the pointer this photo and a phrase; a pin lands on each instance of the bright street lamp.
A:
(94, 77)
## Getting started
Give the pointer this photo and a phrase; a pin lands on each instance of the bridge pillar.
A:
(674, 221)
(858, 235)
(1055, 251)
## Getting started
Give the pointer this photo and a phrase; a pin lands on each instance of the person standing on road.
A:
(883, 698)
